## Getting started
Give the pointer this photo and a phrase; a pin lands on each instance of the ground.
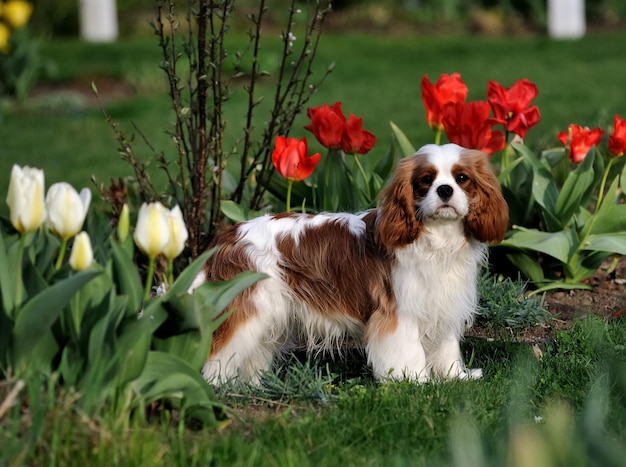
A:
(606, 299)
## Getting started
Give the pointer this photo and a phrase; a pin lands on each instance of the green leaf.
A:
(405, 145)
(236, 212)
(561, 286)
(384, 168)
(126, 277)
(527, 266)
(613, 243)
(131, 350)
(559, 245)
(576, 186)
(544, 189)
(611, 220)
(185, 278)
(220, 294)
(7, 279)
(36, 316)
(167, 377)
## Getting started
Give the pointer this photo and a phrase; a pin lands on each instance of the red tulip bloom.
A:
(617, 141)
(356, 140)
(291, 158)
(468, 124)
(511, 106)
(580, 140)
(448, 89)
(327, 124)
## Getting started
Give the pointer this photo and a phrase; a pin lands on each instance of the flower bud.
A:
(26, 198)
(66, 209)
(152, 232)
(82, 252)
(123, 224)
(178, 233)
(5, 34)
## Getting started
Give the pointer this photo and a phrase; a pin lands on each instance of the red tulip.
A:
(510, 106)
(356, 140)
(291, 159)
(327, 124)
(468, 124)
(448, 89)
(580, 140)
(617, 141)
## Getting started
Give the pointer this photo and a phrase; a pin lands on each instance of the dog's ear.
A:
(488, 217)
(397, 224)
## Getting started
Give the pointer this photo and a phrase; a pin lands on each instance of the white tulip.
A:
(178, 233)
(152, 233)
(82, 252)
(26, 198)
(66, 209)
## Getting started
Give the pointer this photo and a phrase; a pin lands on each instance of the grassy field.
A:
(558, 403)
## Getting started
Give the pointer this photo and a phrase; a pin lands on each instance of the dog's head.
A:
(442, 183)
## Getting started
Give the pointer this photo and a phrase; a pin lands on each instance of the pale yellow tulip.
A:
(66, 209)
(26, 198)
(82, 252)
(178, 233)
(152, 233)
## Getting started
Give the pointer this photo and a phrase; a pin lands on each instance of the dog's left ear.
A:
(488, 217)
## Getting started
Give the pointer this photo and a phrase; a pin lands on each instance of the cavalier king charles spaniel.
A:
(401, 279)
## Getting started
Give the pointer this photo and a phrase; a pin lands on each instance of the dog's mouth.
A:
(446, 211)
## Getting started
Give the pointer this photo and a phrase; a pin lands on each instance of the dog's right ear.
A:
(397, 224)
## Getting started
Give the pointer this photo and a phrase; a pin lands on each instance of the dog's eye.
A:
(426, 179)
(461, 178)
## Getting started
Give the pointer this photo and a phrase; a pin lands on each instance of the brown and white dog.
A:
(401, 278)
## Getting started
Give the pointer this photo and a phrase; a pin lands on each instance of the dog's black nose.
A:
(445, 192)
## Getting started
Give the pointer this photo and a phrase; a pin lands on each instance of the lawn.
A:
(559, 402)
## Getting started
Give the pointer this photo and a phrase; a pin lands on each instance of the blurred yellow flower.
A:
(82, 252)
(5, 33)
(66, 209)
(17, 13)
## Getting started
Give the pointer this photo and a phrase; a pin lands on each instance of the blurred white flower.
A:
(26, 198)
(152, 232)
(178, 233)
(82, 253)
(66, 209)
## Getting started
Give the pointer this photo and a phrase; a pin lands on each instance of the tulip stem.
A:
(358, 164)
(170, 272)
(149, 278)
(438, 137)
(288, 202)
(59, 262)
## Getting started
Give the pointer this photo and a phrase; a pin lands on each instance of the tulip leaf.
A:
(527, 265)
(236, 212)
(126, 277)
(220, 294)
(186, 278)
(7, 279)
(576, 186)
(131, 350)
(166, 376)
(38, 314)
(613, 243)
(405, 145)
(559, 245)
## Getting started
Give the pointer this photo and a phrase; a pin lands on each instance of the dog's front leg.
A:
(446, 361)
(397, 353)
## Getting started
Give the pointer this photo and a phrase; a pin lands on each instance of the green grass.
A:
(568, 406)
(375, 77)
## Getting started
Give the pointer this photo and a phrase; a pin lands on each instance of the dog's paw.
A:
(474, 373)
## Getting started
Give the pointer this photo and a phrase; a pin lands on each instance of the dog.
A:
(401, 279)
